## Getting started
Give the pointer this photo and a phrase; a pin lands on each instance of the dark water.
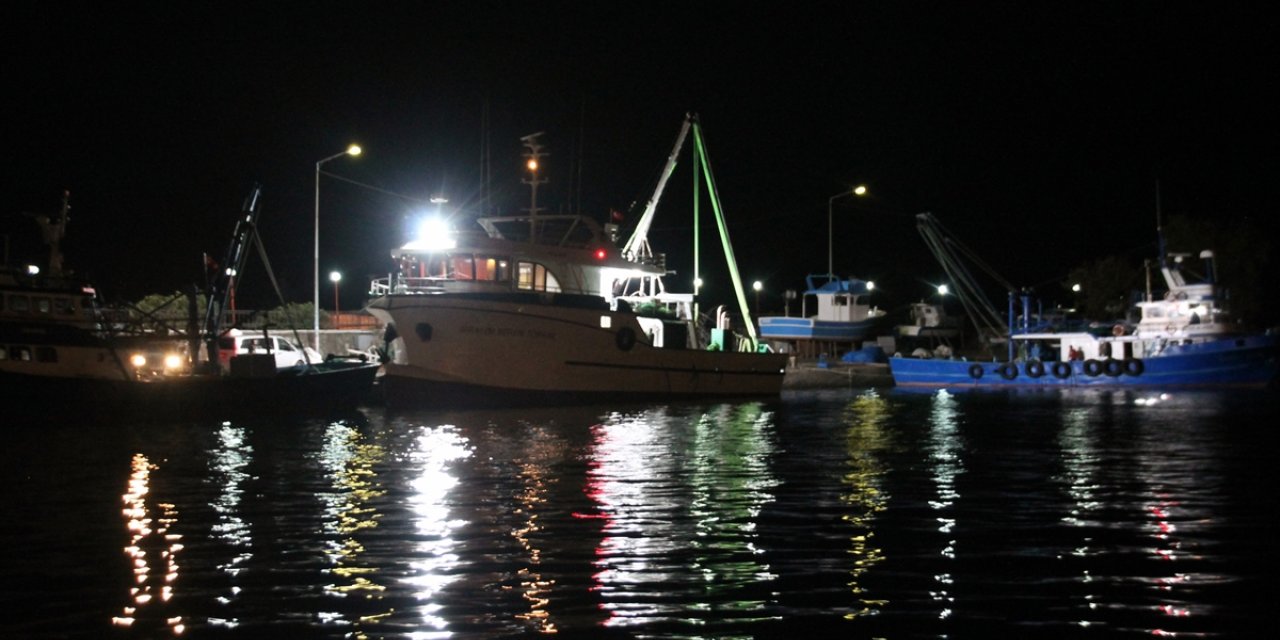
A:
(871, 513)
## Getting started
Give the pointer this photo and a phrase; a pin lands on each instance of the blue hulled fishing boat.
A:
(1182, 339)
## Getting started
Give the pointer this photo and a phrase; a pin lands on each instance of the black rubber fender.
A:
(975, 371)
(1035, 368)
(1092, 368)
(1062, 370)
(625, 338)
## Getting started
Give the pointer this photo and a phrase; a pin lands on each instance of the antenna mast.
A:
(533, 162)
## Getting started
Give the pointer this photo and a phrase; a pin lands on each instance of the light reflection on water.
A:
(857, 513)
(679, 495)
(867, 441)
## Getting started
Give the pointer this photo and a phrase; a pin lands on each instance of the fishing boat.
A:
(1183, 338)
(546, 309)
(64, 356)
(928, 321)
(842, 317)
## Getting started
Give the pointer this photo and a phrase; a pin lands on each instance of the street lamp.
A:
(859, 190)
(757, 285)
(335, 277)
(353, 150)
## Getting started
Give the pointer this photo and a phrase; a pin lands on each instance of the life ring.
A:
(1092, 367)
(625, 338)
(1117, 330)
(1008, 371)
(1114, 367)
(1061, 370)
(1035, 368)
(975, 371)
(1134, 367)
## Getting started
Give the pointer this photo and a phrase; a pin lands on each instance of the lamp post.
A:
(757, 285)
(335, 277)
(859, 190)
(353, 150)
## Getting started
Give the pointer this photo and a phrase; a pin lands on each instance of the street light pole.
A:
(353, 150)
(859, 190)
(334, 276)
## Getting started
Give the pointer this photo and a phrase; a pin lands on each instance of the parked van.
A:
(286, 352)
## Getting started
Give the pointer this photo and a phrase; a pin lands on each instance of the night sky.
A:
(1035, 131)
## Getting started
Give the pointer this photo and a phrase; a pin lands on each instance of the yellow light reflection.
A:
(866, 439)
(544, 450)
(149, 536)
(350, 510)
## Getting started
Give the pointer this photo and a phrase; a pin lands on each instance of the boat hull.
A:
(324, 388)
(1252, 361)
(784, 328)
(546, 349)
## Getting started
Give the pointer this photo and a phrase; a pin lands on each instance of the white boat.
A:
(541, 309)
(928, 322)
(841, 313)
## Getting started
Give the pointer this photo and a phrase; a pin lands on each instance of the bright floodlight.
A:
(33, 270)
(757, 285)
(860, 190)
(354, 150)
(943, 290)
(334, 276)
(870, 285)
(532, 164)
(433, 234)
(1076, 287)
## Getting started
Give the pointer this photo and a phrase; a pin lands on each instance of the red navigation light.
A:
(601, 254)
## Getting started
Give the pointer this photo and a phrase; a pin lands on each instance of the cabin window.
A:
(43, 305)
(463, 266)
(4, 351)
(46, 354)
(840, 301)
(533, 276)
(20, 353)
(19, 304)
(64, 306)
(493, 268)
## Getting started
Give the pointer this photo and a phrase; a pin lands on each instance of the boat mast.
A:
(533, 162)
(53, 230)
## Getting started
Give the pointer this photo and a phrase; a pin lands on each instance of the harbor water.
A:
(865, 512)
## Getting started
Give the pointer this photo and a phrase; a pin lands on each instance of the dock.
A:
(836, 375)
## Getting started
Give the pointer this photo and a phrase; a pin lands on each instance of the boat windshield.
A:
(564, 231)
